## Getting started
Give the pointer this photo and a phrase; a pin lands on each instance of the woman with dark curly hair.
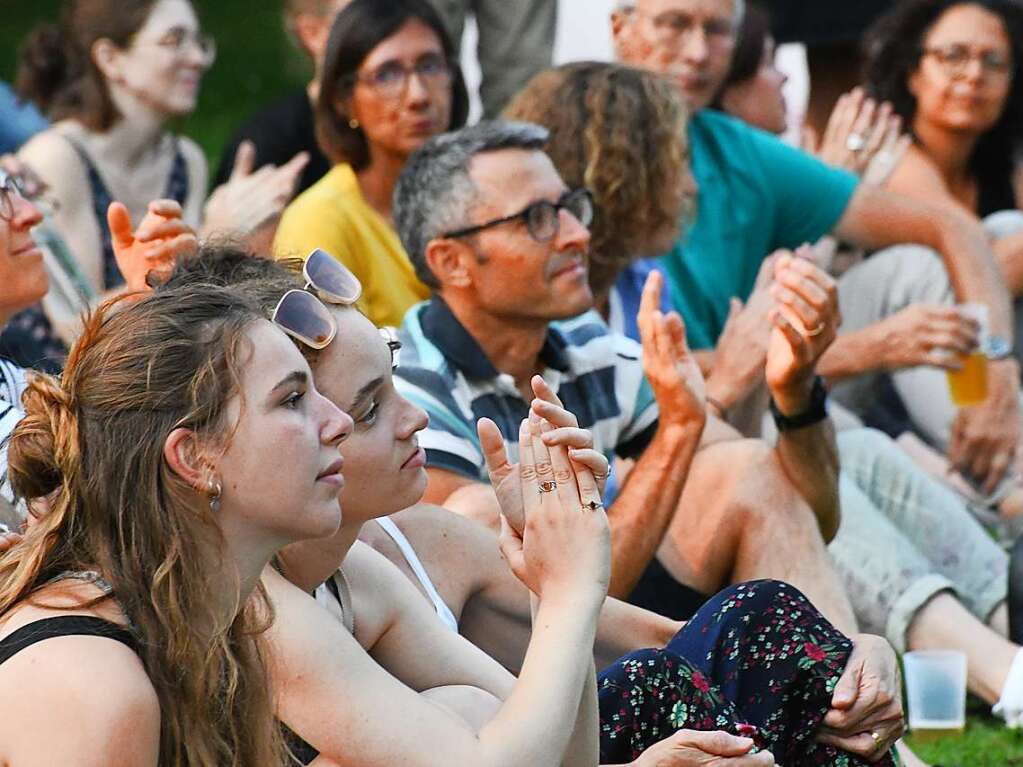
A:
(951, 70)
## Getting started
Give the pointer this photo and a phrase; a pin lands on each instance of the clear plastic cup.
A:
(968, 385)
(936, 690)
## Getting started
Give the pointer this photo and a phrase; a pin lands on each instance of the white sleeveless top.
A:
(443, 611)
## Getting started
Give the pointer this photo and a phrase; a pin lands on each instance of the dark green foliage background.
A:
(256, 61)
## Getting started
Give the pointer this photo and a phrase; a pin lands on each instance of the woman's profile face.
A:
(760, 100)
(164, 65)
(384, 465)
(23, 279)
(964, 76)
(280, 470)
(402, 94)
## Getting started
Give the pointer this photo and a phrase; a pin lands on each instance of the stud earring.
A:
(215, 492)
(353, 124)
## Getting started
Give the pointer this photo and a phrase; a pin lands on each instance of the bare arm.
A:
(985, 437)
(647, 502)
(80, 700)
(876, 218)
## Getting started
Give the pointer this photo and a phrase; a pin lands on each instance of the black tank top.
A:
(62, 626)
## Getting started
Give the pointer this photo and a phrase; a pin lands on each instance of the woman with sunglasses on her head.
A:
(389, 83)
(951, 69)
(461, 584)
(159, 456)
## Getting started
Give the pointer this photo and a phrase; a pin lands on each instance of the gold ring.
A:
(817, 330)
(548, 486)
(592, 506)
(877, 739)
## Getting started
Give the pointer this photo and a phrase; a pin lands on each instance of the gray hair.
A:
(627, 6)
(435, 193)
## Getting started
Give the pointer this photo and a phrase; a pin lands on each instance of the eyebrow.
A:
(365, 391)
(295, 376)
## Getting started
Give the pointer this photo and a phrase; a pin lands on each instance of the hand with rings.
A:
(566, 433)
(560, 551)
(804, 322)
(859, 132)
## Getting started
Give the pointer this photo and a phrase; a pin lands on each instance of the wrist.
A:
(794, 397)
(673, 434)
(810, 413)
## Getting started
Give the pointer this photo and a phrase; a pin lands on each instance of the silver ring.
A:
(602, 477)
(592, 506)
(548, 486)
(855, 142)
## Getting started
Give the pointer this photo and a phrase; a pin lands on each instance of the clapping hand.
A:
(160, 240)
(804, 323)
(565, 433)
(564, 548)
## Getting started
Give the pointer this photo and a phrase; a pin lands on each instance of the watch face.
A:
(997, 348)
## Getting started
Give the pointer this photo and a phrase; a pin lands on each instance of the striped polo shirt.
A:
(597, 374)
(12, 384)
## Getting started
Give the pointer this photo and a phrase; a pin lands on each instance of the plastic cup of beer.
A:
(936, 691)
(968, 385)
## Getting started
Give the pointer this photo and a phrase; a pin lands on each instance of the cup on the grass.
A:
(968, 386)
(936, 690)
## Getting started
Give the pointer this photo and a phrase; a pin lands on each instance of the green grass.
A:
(255, 64)
(985, 743)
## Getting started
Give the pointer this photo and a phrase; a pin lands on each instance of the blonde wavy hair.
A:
(92, 444)
(620, 132)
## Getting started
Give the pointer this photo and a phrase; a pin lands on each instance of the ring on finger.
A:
(602, 477)
(817, 330)
(548, 486)
(877, 739)
(592, 506)
(855, 143)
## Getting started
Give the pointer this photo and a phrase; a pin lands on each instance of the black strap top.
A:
(60, 626)
(177, 189)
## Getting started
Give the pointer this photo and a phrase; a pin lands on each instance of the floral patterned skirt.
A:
(757, 660)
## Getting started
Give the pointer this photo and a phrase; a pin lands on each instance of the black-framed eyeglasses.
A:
(543, 217)
(955, 59)
(302, 315)
(390, 80)
(390, 336)
(10, 187)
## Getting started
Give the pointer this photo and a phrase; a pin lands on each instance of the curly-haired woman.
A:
(951, 69)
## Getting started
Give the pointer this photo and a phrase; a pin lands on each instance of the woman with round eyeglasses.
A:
(111, 75)
(951, 70)
(389, 83)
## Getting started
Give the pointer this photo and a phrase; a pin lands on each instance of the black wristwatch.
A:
(815, 412)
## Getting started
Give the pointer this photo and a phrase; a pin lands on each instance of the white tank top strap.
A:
(443, 611)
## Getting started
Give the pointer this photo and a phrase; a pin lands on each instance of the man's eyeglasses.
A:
(391, 80)
(956, 60)
(302, 315)
(10, 187)
(542, 218)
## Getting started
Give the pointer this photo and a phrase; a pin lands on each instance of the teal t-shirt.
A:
(756, 194)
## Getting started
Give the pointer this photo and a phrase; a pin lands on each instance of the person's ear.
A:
(448, 259)
(620, 33)
(108, 59)
(185, 458)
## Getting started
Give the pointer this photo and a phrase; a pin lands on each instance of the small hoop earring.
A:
(353, 124)
(215, 489)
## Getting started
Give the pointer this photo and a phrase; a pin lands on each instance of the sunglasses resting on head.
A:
(301, 313)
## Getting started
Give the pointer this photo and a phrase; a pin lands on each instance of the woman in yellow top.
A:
(390, 82)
